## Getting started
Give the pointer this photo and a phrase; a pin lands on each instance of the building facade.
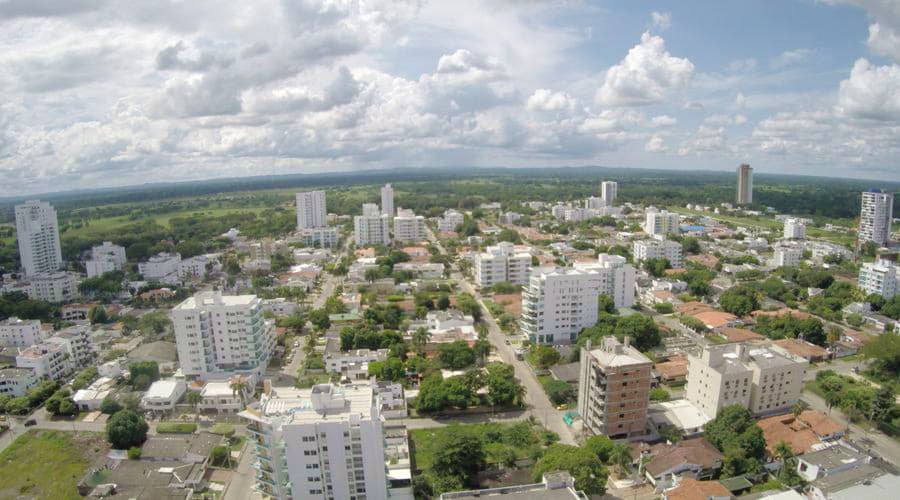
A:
(557, 304)
(387, 200)
(661, 223)
(875, 216)
(786, 256)
(15, 382)
(371, 230)
(881, 277)
(614, 389)
(46, 359)
(745, 184)
(450, 220)
(105, 258)
(37, 230)
(609, 190)
(794, 229)
(502, 263)
(55, 287)
(409, 227)
(15, 332)
(220, 334)
(658, 249)
(311, 210)
(764, 380)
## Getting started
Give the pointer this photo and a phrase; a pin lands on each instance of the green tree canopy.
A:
(585, 467)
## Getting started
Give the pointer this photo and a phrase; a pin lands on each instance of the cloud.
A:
(884, 32)
(663, 121)
(656, 144)
(791, 57)
(884, 41)
(871, 92)
(645, 76)
(547, 100)
(180, 56)
(661, 20)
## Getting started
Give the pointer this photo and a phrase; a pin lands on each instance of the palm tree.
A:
(238, 386)
(799, 407)
(783, 452)
(420, 337)
(193, 399)
(620, 456)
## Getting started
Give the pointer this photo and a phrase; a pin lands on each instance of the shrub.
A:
(134, 453)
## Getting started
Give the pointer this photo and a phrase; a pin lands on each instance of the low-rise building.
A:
(55, 287)
(46, 359)
(15, 382)
(695, 455)
(553, 486)
(163, 394)
(427, 270)
(337, 362)
(319, 237)
(226, 396)
(160, 266)
(15, 332)
(450, 220)
(658, 249)
(787, 256)
(90, 398)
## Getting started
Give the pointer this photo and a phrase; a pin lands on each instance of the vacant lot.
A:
(48, 464)
(523, 439)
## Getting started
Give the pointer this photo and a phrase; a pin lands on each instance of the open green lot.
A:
(521, 438)
(48, 464)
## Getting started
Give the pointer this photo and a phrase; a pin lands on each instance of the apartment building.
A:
(37, 231)
(786, 256)
(558, 303)
(55, 287)
(387, 200)
(160, 266)
(450, 220)
(503, 262)
(594, 203)
(319, 237)
(794, 229)
(15, 332)
(79, 345)
(609, 191)
(311, 210)
(875, 216)
(15, 382)
(614, 389)
(222, 334)
(409, 227)
(46, 359)
(661, 223)
(658, 249)
(336, 362)
(617, 277)
(881, 277)
(745, 184)
(327, 442)
(371, 230)
(105, 258)
(763, 379)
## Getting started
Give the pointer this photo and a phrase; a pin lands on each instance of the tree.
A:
(319, 319)
(134, 453)
(656, 266)
(154, 324)
(420, 338)
(126, 429)
(883, 404)
(458, 392)
(458, 454)
(545, 356)
(884, 350)
(601, 446)
(456, 355)
(143, 373)
(97, 314)
(735, 433)
(432, 394)
(641, 329)
(799, 407)
(589, 473)
(672, 433)
(503, 387)
(606, 303)
(193, 398)
(739, 300)
(443, 302)
(690, 246)
(220, 456)
(659, 394)
(620, 456)
(783, 452)
(559, 391)
(238, 387)
(468, 305)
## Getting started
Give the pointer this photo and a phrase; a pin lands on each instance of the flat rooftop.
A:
(203, 299)
(290, 405)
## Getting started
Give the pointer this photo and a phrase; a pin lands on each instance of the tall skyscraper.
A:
(310, 210)
(875, 216)
(608, 191)
(745, 185)
(387, 200)
(37, 230)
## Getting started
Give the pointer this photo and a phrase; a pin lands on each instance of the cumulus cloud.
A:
(871, 92)
(547, 100)
(645, 75)
(655, 144)
(884, 41)
(661, 20)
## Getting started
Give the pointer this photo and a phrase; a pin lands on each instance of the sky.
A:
(104, 93)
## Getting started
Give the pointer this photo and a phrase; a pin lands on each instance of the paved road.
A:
(243, 480)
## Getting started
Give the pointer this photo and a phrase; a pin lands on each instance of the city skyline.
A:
(102, 98)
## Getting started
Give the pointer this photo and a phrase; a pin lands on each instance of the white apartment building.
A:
(427, 270)
(15, 332)
(609, 191)
(451, 220)
(160, 266)
(500, 263)
(558, 303)
(794, 229)
(387, 200)
(594, 203)
(15, 382)
(320, 237)
(56, 287)
(658, 249)
(336, 362)
(37, 231)
(105, 258)
(762, 379)
(787, 256)
(324, 443)
(559, 211)
(409, 226)
(222, 334)
(46, 359)
(881, 277)
(371, 210)
(78, 344)
(660, 223)
(875, 216)
(311, 210)
(371, 230)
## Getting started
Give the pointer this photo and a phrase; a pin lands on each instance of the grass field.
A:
(771, 224)
(105, 224)
(176, 427)
(48, 464)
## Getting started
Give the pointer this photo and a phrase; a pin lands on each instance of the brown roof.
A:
(704, 260)
(696, 451)
(820, 423)
(781, 312)
(786, 428)
(691, 308)
(663, 294)
(857, 337)
(674, 367)
(715, 319)
(739, 334)
(802, 348)
(691, 489)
